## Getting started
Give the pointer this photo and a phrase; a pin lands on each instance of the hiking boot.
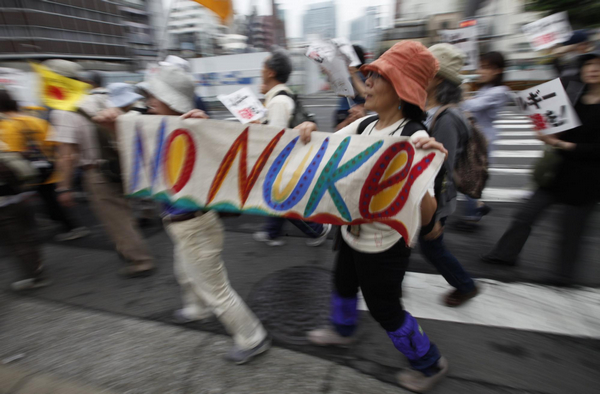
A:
(456, 298)
(72, 235)
(240, 356)
(30, 284)
(321, 238)
(494, 261)
(138, 270)
(263, 236)
(418, 382)
(328, 336)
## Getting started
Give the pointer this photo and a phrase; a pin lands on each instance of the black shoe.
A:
(494, 261)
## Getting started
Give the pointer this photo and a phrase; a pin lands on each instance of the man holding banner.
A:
(280, 110)
(198, 238)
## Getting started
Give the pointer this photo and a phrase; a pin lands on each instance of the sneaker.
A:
(240, 356)
(263, 236)
(329, 337)
(183, 316)
(321, 238)
(30, 284)
(76, 233)
(456, 298)
(418, 382)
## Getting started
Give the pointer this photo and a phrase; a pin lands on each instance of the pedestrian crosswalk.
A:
(512, 158)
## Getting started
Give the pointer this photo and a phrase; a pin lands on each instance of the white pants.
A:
(201, 273)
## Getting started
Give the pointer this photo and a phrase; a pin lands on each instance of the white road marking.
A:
(516, 134)
(502, 194)
(510, 171)
(523, 154)
(514, 126)
(511, 121)
(519, 306)
(518, 142)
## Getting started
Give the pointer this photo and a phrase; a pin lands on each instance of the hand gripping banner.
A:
(255, 169)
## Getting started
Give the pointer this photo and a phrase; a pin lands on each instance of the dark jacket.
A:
(578, 177)
(452, 130)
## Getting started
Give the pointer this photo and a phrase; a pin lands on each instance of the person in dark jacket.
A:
(447, 125)
(576, 184)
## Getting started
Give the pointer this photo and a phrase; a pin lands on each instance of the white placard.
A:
(347, 50)
(333, 64)
(548, 31)
(548, 107)
(244, 105)
(465, 40)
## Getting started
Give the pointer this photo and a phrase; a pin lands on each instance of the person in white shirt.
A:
(374, 257)
(280, 110)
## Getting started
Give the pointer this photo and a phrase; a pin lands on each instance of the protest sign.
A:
(548, 107)
(548, 31)
(348, 51)
(244, 105)
(333, 64)
(257, 169)
(465, 40)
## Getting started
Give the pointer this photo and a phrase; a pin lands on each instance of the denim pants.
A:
(436, 253)
(200, 271)
(573, 224)
(275, 226)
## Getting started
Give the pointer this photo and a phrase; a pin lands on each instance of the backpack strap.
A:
(412, 127)
(438, 113)
(363, 125)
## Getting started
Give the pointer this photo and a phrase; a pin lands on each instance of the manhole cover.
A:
(292, 302)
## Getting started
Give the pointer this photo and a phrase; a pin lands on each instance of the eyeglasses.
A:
(373, 75)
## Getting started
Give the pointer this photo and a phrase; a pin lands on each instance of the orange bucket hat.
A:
(409, 67)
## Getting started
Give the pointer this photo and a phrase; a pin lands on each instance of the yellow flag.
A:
(223, 8)
(60, 92)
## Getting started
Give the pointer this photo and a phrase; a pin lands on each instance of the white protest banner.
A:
(347, 50)
(548, 107)
(244, 105)
(256, 169)
(548, 31)
(465, 40)
(327, 55)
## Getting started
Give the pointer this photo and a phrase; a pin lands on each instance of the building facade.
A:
(365, 30)
(76, 29)
(320, 20)
(192, 30)
(140, 29)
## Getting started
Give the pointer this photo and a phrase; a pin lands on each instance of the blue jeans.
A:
(436, 253)
(471, 212)
(275, 226)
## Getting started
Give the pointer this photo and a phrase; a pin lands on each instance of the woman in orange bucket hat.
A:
(373, 256)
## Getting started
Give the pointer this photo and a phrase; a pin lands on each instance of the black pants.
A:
(56, 211)
(17, 231)
(572, 226)
(379, 276)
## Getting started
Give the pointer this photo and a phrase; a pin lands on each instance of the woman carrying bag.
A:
(374, 257)
(570, 176)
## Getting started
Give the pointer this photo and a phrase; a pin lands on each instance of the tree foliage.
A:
(582, 13)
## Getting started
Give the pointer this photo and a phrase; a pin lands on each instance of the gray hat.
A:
(451, 62)
(122, 95)
(174, 87)
(63, 67)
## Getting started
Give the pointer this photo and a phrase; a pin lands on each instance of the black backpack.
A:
(300, 115)
(409, 129)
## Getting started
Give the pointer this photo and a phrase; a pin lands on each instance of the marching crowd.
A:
(409, 91)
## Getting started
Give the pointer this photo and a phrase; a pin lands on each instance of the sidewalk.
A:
(68, 350)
